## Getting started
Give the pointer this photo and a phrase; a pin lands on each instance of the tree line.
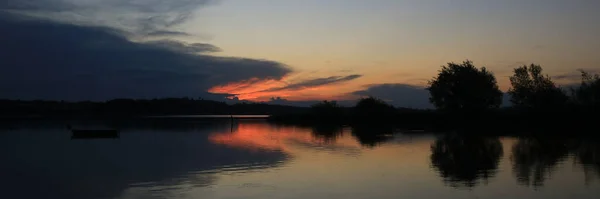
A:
(135, 108)
(463, 94)
(466, 87)
(468, 97)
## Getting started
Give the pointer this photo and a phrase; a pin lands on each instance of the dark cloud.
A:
(160, 7)
(316, 82)
(40, 5)
(399, 95)
(185, 48)
(47, 60)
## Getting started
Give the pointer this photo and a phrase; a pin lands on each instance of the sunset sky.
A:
(295, 50)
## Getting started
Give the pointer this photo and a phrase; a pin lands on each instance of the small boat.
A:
(93, 133)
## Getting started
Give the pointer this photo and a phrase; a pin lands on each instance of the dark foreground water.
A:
(256, 160)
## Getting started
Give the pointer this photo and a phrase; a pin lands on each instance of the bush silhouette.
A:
(327, 111)
(464, 87)
(373, 110)
(531, 89)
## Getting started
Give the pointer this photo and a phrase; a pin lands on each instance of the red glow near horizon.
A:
(264, 89)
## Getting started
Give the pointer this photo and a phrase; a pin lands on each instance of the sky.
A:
(282, 51)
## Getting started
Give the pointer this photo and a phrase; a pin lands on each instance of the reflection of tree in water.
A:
(587, 154)
(328, 133)
(534, 159)
(464, 160)
(372, 136)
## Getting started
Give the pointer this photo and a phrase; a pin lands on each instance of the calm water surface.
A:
(213, 116)
(253, 159)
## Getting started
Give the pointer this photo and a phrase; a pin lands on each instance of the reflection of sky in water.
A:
(258, 160)
(290, 140)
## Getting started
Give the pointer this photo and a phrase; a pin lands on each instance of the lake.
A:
(252, 159)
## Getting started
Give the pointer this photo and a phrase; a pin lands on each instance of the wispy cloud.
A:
(316, 82)
(142, 17)
(575, 75)
(265, 89)
(185, 47)
(166, 33)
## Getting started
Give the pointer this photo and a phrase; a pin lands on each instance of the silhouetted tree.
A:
(464, 87)
(465, 160)
(327, 111)
(588, 93)
(532, 89)
(373, 110)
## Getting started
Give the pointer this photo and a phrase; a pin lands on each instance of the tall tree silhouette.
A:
(588, 93)
(464, 87)
(532, 89)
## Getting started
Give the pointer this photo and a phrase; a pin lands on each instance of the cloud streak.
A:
(166, 33)
(574, 76)
(316, 82)
(265, 89)
(184, 47)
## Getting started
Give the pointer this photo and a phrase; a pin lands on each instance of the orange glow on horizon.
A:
(264, 89)
(247, 86)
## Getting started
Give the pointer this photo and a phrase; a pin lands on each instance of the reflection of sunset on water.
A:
(255, 159)
(256, 137)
